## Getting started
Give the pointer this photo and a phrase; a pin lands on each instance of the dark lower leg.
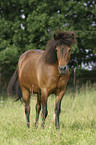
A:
(26, 99)
(44, 114)
(38, 108)
(57, 112)
(27, 112)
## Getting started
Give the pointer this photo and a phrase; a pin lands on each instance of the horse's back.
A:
(26, 55)
(27, 68)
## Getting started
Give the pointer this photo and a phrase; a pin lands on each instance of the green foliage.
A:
(29, 25)
(7, 56)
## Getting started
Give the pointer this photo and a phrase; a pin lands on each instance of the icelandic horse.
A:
(44, 73)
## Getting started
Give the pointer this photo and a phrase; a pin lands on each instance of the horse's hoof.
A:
(36, 126)
(57, 127)
(42, 126)
(28, 125)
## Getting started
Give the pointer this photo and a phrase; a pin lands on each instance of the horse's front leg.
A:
(44, 107)
(58, 108)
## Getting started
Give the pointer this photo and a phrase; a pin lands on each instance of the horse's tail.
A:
(13, 88)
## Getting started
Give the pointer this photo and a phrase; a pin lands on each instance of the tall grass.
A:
(77, 121)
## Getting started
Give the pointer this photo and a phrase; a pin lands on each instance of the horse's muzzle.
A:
(62, 69)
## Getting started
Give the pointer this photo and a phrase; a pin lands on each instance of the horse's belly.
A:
(35, 89)
(29, 83)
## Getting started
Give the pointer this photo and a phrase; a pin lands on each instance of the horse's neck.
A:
(49, 57)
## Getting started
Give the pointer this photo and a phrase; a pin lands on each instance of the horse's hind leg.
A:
(38, 107)
(44, 107)
(26, 99)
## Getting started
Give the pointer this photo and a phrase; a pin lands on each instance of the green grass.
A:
(77, 121)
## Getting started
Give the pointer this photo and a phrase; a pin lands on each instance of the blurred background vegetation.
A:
(29, 24)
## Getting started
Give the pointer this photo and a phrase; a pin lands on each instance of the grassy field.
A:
(77, 121)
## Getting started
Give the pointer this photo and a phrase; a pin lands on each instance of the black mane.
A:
(60, 38)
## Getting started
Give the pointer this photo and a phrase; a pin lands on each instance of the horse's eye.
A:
(69, 51)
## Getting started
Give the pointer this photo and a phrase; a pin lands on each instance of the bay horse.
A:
(44, 73)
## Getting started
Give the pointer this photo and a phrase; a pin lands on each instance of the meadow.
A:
(77, 121)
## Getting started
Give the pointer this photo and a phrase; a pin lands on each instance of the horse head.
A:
(63, 56)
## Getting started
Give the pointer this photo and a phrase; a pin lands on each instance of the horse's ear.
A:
(73, 34)
(74, 37)
(54, 36)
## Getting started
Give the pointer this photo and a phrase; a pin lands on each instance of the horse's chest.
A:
(56, 85)
(61, 83)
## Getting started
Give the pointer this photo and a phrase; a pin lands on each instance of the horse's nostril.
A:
(62, 68)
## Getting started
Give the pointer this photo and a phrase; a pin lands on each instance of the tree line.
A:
(29, 24)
